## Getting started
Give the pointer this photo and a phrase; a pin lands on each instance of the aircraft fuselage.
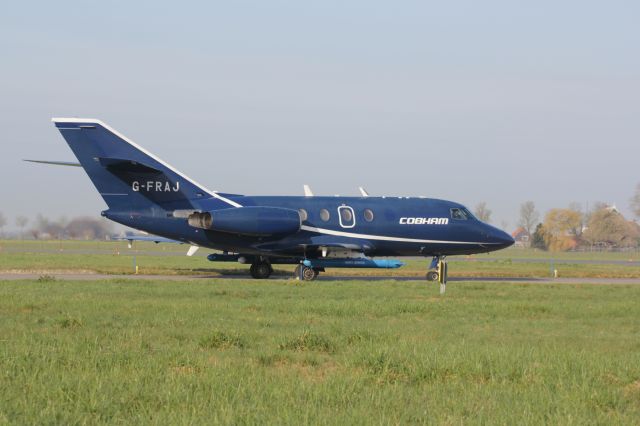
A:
(381, 226)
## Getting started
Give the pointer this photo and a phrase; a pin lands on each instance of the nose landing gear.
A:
(438, 271)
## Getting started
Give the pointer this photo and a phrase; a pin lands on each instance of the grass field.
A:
(115, 258)
(113, 246)
(283, 352)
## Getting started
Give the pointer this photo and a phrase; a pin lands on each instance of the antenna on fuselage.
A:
(307, 191)
(363, 191)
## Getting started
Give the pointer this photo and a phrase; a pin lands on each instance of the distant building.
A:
(522, 237)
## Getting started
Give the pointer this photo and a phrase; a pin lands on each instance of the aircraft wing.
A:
(343, 246)
(338, 243)
(156, 239)
(320, 245)
(153, 238)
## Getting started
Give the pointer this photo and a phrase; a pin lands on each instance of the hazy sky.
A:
(496, 101)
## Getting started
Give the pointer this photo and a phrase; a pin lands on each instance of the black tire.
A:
(308, 274)
(432, 276)
(261, 270)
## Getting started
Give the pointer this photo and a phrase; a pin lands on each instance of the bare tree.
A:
(21, 222)
(3, 222)
(635, 201)
(482, 212)
(529, 216)
(88, 228)
(46, 229)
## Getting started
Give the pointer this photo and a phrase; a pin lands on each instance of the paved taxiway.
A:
(204, 252)
(96, 277)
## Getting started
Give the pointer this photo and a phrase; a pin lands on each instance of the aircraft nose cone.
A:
(497, 238)
(503, 239)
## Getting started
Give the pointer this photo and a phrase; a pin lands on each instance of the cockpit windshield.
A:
(469, 214)
(459, 213)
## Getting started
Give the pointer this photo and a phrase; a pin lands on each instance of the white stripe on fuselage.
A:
(382, 237)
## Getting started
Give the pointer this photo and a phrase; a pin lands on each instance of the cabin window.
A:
(303, 214)
(346, 215)
(324, 215)
(458, 214)
(368, 215)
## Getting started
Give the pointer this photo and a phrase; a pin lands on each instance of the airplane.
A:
(313, 232)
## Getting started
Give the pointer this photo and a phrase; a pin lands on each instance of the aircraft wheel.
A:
(308, 274)
(260, 270)
(432, 276)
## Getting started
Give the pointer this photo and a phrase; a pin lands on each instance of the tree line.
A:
(562, 229)
(42, 228)
(602, 227)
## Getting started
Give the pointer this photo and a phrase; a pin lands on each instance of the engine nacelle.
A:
(261, 221)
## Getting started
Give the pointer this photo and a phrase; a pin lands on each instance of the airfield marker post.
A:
(442, 276)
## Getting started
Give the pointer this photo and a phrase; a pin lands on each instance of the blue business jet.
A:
(313, 232)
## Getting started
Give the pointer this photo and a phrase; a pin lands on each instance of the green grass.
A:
(282, 352)
(110, 247)
(48, 257)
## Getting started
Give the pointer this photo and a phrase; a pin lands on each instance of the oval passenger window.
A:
(368, 215)
(346, 215)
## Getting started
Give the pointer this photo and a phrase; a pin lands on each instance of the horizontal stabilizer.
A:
(56, 163)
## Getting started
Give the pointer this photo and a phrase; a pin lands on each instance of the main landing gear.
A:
(305, 273)
(261, 269)
(438, 271)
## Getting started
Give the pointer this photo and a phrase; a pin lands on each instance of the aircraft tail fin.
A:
(126, 175)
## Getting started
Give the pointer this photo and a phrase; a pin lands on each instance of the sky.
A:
(494, 101)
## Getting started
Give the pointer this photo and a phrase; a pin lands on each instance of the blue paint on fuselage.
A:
(145, 193)
(382, 236)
